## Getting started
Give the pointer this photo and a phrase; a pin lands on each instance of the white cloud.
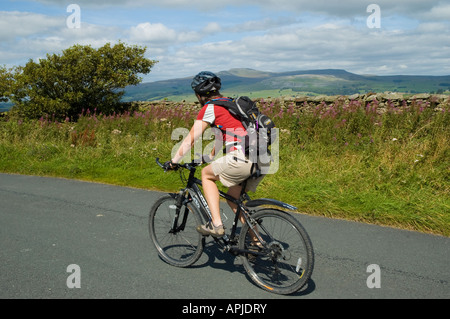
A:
(23, 24)
(159, 38)
(326, 46)
(264, 24)
(270, 39)
(157, 33)
(440, 12)
(25, 35)
(430, 27)
(211, 28)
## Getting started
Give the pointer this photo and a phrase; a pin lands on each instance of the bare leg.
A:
(235, 192)
(211, 194)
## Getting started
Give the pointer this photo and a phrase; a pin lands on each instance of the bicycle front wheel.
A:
(174, 233)
(283, 262)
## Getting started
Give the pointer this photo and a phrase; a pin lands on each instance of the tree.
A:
(80, 78)
(6, 80)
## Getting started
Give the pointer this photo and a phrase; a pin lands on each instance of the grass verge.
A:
(341, 160)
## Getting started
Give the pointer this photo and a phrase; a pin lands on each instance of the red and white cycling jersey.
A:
(218, 116)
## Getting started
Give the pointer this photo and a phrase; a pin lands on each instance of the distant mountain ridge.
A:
(327, 81)
(261, 84)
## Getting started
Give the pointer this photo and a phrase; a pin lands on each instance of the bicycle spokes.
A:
(173, 232)
(286, 256)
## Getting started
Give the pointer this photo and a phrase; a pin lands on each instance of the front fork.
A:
(180, 203)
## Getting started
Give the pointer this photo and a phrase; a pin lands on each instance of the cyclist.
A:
(234, 167)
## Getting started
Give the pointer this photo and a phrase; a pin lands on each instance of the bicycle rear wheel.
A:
(179, 245)
(285, 262)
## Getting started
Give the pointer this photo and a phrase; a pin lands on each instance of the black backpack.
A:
(259, 127)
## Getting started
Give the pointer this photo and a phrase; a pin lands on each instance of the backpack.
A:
(259, 127)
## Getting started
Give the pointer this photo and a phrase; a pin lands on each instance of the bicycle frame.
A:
(192, 193)
(195, 195)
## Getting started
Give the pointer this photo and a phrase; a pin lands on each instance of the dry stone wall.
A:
(438, 101)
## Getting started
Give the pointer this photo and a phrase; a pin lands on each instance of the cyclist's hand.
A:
(168, 166)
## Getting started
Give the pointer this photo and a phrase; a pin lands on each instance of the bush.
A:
(63, 85)
(6, 79)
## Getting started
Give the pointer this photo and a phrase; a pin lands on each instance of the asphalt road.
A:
(48, 224)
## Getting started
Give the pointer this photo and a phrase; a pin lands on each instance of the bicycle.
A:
(281, 261)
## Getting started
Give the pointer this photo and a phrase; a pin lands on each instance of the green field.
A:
(341, 160)
(260, 84)
(253, 95)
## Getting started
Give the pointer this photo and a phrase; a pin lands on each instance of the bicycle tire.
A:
(284, 236)
(182, 248)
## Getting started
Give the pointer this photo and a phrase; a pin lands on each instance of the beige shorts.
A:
(233, 169)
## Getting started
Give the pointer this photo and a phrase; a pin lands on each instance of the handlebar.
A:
(189, 166)
(159, 163)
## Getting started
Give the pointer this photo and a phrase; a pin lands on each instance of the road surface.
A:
(70, 239)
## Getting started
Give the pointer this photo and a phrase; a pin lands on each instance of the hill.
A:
(260, 84)
(311, 82)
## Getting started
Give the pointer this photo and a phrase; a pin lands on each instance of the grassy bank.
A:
(343, 159)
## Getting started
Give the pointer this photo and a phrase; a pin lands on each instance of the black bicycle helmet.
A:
(205, 83)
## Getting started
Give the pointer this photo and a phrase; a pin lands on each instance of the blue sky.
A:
(284, 35)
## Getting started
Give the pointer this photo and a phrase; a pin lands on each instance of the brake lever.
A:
(159, 163)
